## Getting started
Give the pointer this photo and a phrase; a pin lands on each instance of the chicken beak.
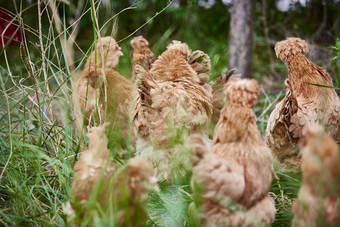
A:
(153, 180)
(120, 53)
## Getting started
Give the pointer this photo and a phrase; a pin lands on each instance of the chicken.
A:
(233, 179)
(140, 55)
(171, 103)
(98, 103)
(97, 180)
(304, 104)
(111, 53)
(92, 100)
(318, 202)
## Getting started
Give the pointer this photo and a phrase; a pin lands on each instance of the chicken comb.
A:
(290, 46)
(244, 91)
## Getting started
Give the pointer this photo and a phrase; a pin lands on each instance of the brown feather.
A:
(140, 55)
(117, 184)
(238, 169)
(318, 202)
(304, 104)
(170, 101)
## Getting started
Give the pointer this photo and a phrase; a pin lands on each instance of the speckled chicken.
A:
(170, 101)
(100, 103)
(99, 179)
(140, 55)
(234, 178)
(318, 202)
(304, 104)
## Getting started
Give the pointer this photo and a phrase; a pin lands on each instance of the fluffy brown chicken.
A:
(140, 55)
(170, 102)
(99, 103)
(97, 180)
(92, 99)
(235, 176)
(304, 104)
(318, 202)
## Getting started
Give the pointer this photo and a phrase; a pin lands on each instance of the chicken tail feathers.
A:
(145, 82)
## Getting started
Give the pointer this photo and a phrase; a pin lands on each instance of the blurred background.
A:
(203, 24)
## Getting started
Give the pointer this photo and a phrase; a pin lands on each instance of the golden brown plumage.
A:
(318, 202)
(235, 176)
(304, 104)
(170, 101)
(92, 99)
(109, 58)
(100, 103)
(97, 178)
(140, 55)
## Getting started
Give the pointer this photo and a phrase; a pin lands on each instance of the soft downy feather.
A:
(170, 104)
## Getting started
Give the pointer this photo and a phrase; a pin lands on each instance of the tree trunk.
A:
(241, 36)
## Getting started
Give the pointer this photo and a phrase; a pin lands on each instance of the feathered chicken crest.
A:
(318, 202)
(243, 92)
(173, 65)
(179, 46)
(290, 46)
(139, 42)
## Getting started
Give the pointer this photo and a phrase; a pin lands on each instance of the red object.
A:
(6, 21)
(92, 68)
